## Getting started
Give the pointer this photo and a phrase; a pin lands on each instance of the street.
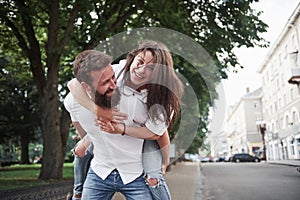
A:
(247, 181)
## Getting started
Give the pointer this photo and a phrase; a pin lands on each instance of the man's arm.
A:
(82, 146)
(81, 132)
(82, 98)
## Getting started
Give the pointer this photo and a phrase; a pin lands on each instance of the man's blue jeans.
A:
(81, 166)
(152, 163)
(97, 189)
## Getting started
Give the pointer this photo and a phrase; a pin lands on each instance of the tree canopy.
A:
(49, 34)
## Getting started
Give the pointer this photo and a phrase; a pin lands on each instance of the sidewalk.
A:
(293, 163)
(183, 181)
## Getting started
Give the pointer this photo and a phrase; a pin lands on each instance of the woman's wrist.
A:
(124, 129)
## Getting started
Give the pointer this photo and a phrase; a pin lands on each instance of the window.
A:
(285, 51)
(279, 103)
(292, 147)
(294, 43)
(258, 117)
(284, 99)
(287, 121)
(295, 117)
(298, 142)
(279, 58)
(271, 110)
(273, 127)
(282, 122)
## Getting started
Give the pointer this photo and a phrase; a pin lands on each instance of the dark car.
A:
(244, 157)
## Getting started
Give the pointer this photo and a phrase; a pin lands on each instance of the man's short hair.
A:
(87, 61)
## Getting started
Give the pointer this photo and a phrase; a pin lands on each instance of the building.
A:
(241, 127)
(281, 93)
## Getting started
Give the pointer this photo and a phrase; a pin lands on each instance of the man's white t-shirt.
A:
(114, 151)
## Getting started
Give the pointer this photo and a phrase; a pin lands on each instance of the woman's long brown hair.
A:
(164, 88)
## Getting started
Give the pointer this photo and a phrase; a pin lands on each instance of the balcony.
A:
(294, 75)
(293, 72)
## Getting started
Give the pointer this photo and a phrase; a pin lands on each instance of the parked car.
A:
(207, 159)
(244, 157)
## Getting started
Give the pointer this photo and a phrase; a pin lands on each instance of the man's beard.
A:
(105, 101)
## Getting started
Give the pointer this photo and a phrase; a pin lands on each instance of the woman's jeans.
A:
(81, 167)
(97, 189)
(152, 163)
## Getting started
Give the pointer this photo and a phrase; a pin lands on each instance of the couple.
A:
(149, 92)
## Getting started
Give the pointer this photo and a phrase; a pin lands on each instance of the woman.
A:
(147, 81)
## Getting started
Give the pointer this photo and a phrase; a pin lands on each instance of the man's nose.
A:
(113, 84)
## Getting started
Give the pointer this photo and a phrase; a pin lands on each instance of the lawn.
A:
(19, 176)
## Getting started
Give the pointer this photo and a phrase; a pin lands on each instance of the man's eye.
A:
(151, 67)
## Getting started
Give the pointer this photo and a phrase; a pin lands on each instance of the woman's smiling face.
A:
(141, 68)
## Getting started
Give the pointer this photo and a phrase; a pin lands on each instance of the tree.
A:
(50, 33)
(18, 105)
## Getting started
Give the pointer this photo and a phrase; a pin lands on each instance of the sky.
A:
(276, 14)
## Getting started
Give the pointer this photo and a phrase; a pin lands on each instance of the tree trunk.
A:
(65, 122)
(24, 149)
(53, 154)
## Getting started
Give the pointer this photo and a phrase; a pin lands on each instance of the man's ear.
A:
(84, 85)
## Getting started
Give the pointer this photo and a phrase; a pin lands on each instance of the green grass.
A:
(19, 176)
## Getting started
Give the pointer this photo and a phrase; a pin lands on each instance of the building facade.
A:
(267, 120)
(243, 135)
(281, 93)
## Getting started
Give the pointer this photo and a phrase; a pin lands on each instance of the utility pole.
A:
(262, 129)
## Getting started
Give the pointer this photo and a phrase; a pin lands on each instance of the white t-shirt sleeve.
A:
(157, 126)
(71, 105)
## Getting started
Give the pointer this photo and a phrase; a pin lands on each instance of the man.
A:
(81, 163)
(117, 163)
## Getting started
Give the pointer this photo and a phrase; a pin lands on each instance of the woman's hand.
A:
(108, 114)
(110, 127)
(118, 117)
(164, 169)
(104, 113)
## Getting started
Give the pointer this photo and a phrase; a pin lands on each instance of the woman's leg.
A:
(152, 163)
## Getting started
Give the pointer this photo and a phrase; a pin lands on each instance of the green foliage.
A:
(43, 37)
(20, 176)
(19, 100)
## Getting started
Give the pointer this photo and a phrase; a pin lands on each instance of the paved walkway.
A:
(183, 181)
